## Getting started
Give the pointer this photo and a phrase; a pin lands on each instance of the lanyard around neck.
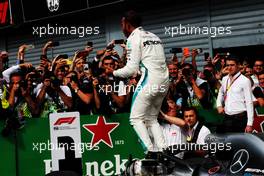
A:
(229, 86)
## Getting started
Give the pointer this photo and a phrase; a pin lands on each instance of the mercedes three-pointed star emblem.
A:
(239, 161)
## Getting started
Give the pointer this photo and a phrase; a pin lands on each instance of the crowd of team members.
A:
(62, 84)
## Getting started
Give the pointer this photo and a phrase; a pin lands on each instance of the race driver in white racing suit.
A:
(145, 53)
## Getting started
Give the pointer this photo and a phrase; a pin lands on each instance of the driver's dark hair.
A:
(191, 108)
(107, 58)
(232, 58)
(133, 18)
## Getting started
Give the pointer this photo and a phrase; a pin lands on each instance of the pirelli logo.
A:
(3, 12)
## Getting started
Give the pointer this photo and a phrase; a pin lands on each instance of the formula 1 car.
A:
(244, 157)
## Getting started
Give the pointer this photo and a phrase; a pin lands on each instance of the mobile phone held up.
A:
(120, 41)
(89, 44)
(175, 50)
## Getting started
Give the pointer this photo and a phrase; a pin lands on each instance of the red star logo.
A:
(101, 131)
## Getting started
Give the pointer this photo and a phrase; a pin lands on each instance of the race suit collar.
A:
(135, 30)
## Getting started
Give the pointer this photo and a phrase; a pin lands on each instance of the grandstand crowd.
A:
(64, 84)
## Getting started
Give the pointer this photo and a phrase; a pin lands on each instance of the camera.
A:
(74, 78)
(35, 79)
(90, 44)
(119, 41)
(27, 70)
(175, 50)
(55, 81)
(110, 47)
(31, 69)
(206, 56)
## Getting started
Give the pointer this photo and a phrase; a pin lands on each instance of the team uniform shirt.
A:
(145, 53)
(238, 98)
(202, 134)
(173, 135)
(255, 80)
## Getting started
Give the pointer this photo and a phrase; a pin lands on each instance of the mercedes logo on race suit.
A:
(53, 5)
(239, 161)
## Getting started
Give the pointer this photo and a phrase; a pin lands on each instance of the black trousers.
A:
(233, 123)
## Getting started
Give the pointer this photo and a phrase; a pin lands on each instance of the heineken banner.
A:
(103, 148)
(258, 124)
(90, 145)
(7, 155)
